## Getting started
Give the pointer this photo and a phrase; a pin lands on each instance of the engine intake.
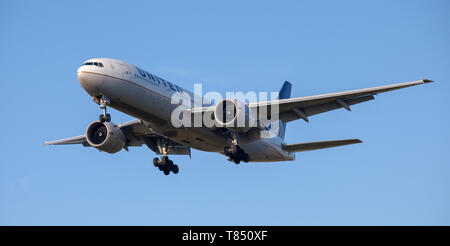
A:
(105, 136)
(234, 115)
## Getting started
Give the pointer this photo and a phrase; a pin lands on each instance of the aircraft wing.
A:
(136, 134)
(302, 107)
(131, 129)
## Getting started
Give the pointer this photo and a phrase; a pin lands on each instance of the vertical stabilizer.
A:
(285, 92)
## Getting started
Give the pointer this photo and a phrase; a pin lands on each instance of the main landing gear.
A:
(165, 164)
(103, 101)
(235, 152)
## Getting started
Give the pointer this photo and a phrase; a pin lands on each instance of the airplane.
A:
(147, 97)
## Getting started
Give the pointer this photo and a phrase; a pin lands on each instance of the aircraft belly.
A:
(263, 151)
(122, 92)
(200, 138)
(156, 109)
(148, 105)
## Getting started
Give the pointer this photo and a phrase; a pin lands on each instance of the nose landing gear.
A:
(103, 102)
(104, 117)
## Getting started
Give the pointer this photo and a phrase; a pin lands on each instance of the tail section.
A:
(285, 93)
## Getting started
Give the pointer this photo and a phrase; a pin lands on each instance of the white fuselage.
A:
(148, 97)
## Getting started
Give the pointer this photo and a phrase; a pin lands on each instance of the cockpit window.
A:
(98, 64)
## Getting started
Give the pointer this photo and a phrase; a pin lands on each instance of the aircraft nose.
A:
(90, 80)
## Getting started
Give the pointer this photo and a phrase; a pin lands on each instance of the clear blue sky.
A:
(400, 175)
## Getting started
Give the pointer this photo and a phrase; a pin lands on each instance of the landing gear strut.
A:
(235, 152)
(165, 164)
(104, 101)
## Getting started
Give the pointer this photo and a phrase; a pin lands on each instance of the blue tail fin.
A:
(285, 92)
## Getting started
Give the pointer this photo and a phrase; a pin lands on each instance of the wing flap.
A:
(296, 113)
(319, 145)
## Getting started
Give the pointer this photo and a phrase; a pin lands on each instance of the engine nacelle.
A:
(234, 115)
(105, 136)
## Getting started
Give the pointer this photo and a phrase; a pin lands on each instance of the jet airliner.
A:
(148, 98)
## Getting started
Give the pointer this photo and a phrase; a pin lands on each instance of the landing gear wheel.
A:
(237, 161)
(246, 158)
(165, 165)
(103, 118)
(166, 171)
(175, 169)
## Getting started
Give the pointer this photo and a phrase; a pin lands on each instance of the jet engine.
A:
(105, 136)
(234, 115)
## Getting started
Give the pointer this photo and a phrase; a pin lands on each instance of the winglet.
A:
(427, 80)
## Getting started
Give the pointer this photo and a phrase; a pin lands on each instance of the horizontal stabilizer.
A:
(319, 145)
(73, 140)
